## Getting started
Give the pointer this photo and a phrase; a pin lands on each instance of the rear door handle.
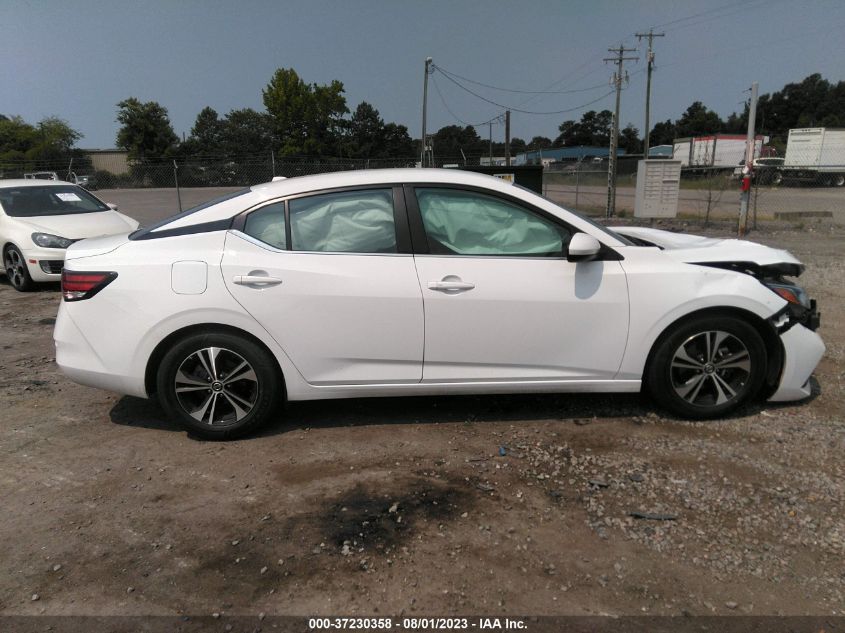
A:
(450, 285)
(255, 280)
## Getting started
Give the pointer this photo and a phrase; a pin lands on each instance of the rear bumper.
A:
(803, 349)
(78, 360)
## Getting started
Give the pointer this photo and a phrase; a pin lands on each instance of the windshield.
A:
(28, 202)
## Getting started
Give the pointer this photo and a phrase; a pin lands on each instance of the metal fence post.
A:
(577, 182)
(176, 180)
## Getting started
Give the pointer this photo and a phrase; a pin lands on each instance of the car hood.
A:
(76, 226)
(697, 249)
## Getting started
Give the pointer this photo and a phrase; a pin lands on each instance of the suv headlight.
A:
(790, 292)
(45, 240)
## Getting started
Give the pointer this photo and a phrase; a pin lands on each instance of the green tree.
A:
(397, 142)
(50, 140)
(145, 130)
(306, 119)
(16, 138)
(246, 131)
(812, 102)
(540, 142)
(368, 136)
(451, 139)
(593, 129)
(206, 135)
(366, 133)
(662, 133)
(698, 120)
(737, 123)
(518, 146)
(629, 139)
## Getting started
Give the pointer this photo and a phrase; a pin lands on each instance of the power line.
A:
(455, 116)
(507, 107)
(529, 92)
(744, 9)
(731, 5)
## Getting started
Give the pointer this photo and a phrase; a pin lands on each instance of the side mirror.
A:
(112, 206)
(582, 248)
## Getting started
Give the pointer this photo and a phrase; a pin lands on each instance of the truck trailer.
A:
(715, 151)
(815, 155)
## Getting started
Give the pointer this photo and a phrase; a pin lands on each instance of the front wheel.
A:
(706, 367)
(219, 385)
(16, 269)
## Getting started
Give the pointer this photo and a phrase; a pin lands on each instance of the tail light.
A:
(77, 286)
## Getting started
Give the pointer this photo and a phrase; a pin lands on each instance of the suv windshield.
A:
(27, 202)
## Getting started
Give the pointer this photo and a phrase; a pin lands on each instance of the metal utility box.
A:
(658, 184)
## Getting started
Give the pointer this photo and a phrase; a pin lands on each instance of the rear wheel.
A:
(16, 270)
(219, 386)
(838, 180)
(777, 178)
(707, 367)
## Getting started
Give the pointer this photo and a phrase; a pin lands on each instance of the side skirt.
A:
(464, 388)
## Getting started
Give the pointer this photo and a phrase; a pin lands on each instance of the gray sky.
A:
(77, 59)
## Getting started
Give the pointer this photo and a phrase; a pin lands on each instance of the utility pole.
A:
(650, 57)
(617, 79)
(750, 142)
(428, 62)
(507, 138)
(490, 131)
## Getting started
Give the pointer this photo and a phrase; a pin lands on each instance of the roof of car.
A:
(229, 205)
(33, 182)
(302, 184)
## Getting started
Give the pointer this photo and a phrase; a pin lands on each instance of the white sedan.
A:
(408, 282)
(39, 219)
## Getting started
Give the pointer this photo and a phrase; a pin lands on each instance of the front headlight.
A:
(790, 292)
(45, 240)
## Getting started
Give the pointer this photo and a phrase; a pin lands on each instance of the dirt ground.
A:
(453, 505)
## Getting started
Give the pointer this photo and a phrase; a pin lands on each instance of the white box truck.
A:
(715, 151)
(815, 154)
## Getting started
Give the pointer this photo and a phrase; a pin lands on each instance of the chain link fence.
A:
(778, 192)
(582, 184)
(795, 188)
(115, 172)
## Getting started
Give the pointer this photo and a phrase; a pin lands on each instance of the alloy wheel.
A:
(14, 264)
(710, 368)
(216, 386)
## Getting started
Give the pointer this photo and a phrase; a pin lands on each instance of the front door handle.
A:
(255, 280)
(446, 286)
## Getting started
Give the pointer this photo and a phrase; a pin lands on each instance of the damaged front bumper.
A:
(803, 348)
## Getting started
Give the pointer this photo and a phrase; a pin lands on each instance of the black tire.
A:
(684, 379)
(837, 180)
(209, 403)
(777, 178)
(16, 270)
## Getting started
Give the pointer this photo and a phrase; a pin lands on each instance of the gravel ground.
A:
(578, 505)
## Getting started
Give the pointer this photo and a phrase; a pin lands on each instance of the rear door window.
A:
(359, 221)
